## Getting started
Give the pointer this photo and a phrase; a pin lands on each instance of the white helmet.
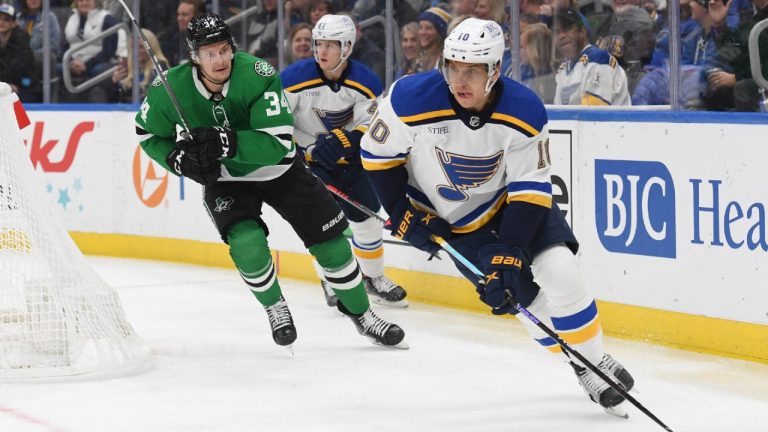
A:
(475, 41)
(336, 28)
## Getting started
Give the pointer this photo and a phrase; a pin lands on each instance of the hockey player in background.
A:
(242, 151)
(464, 154)
(333, 98)
(588, 75)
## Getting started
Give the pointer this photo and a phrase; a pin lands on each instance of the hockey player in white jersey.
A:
(589, 75)
(333, 98)
(464, 153)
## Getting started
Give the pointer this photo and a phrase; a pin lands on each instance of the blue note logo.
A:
(635, 207)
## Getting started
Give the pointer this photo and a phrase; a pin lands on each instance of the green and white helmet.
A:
(475, 41)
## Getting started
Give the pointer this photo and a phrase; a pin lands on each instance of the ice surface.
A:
(217, 369)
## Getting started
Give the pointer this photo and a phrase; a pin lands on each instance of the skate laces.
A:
(278, 314)
(327, 288)
(373, 324)
(383, 284)
(592, 382)
(612, 366)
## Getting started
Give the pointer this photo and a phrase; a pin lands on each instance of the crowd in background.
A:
(715, 65)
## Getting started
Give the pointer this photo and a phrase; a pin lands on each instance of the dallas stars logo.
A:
(223, 204)
(263, 68)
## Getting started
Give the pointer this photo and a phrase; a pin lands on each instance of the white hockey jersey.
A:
(595, 79)
(320, 105)
(462, 165)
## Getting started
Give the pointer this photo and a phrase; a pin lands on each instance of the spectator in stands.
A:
(122, 77)
(158, 17)
(230, 8)
(588, 75)
(537, 63)
(300, 39)
(367, 52)
(698, 55)
(491, 10)
(733, 49)
(262, 32)
(87, 21)
(409, 46)
(463, 7)
(30, 19)
(318, 8)
(175, 43)
(296, 12)
(433, 26)
(627, 34)
(17, 63)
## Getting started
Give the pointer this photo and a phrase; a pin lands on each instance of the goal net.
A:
(58, 318)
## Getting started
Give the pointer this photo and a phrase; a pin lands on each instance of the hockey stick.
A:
(510, 298)
(334, 190)
(186, 134)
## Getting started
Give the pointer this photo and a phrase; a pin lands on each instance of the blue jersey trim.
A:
(630, 116)
(657, 116)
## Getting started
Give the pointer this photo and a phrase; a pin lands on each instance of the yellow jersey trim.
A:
(483, 219)
(532, 198)
(515, 121)
(428, 115)
(590, 99)
(378, 166)
(296, 87)
(360, 87)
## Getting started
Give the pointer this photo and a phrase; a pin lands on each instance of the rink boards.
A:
(669, 209)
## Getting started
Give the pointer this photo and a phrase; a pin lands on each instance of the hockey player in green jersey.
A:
(241, 150)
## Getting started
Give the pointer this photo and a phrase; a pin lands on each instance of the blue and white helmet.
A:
(475, 41)
(336, 28)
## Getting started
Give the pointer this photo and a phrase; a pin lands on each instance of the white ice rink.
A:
(217, 369)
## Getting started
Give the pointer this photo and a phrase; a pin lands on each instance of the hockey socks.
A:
(250, 253)
(341, 272)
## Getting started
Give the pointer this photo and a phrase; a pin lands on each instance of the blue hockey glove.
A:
(416, 227)
(212, 143)
(180, 162)
(334, 146)
(501, 264)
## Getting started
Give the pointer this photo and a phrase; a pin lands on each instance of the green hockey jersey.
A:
(251, 103)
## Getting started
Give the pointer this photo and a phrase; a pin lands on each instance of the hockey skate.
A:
(330, 297)
(281, 321)
(376, 329)
(382, 291)
(599, 391)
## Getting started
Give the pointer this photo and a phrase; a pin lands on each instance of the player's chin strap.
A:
(342, 59)
(566, 348)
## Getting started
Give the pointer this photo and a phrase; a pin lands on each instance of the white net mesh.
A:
(58, 318)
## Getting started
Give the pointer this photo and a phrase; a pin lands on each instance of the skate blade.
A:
(403, 345)
(400, 304)
(619, 410)
(289, 347)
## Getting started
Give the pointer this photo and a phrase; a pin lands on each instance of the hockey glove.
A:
(501, 264)
(212, 143)
(416, 227)
(180, 162)
(336, 145)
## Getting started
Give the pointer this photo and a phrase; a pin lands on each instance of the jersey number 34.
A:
(275, 103)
